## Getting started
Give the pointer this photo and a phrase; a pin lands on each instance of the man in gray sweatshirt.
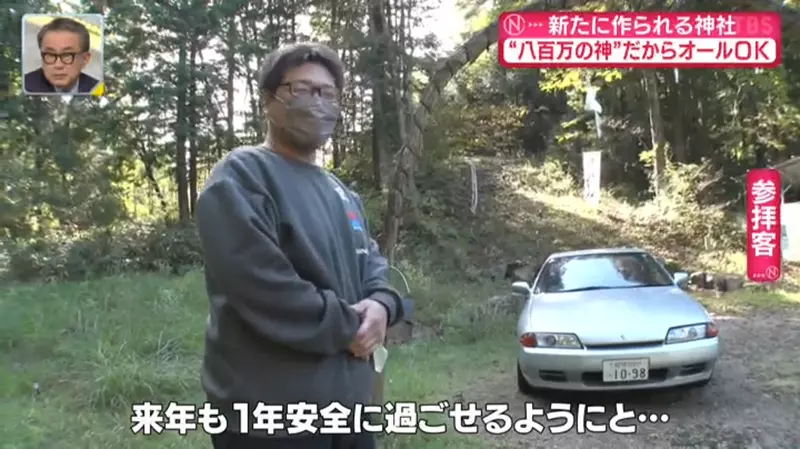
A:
(298, 291)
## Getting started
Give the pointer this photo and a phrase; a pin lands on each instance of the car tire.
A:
(522, 385)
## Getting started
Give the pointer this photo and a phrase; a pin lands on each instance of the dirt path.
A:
(752, 403)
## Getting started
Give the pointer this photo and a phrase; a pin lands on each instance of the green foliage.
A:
(575, 79)
(70, 167)
(496, 130)
(685, 212)
(114, 250)
(354, 172)
(553, 177)
(74, 174)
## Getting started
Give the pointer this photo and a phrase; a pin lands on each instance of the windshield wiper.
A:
(644, 285)
(584, 289)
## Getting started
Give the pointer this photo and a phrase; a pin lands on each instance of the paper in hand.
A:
(379, 358)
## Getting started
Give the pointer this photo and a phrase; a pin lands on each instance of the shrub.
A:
(684, 215)
(107, 251)
(552, 177)
(122, 248)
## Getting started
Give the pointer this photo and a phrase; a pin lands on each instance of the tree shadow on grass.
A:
(519, 227)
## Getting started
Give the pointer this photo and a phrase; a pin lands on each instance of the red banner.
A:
(764, 225)
(639, 39)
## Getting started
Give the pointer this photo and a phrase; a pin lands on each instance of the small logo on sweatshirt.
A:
(341, 193)
(355, 222)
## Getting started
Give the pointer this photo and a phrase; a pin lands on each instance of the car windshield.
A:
(600, 272)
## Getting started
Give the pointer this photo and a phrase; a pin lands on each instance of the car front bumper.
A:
(582, 369)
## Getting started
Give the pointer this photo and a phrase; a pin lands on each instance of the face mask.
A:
(310, 121)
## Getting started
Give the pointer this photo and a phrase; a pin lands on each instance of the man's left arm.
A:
(375, 279)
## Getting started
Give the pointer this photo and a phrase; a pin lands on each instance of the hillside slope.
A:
(526, 211)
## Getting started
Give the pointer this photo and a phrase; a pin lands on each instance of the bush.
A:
(123, 248)
(107, 251)
(552, 177)
(684, 215)
(549, 176)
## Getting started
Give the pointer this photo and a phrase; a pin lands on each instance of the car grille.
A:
(553, 376)
(688, 370)
(638, 344)
(595, 378)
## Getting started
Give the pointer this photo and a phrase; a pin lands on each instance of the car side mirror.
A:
(521, 288)
(681, 279)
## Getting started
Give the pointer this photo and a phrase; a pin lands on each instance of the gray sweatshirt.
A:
(287, 251)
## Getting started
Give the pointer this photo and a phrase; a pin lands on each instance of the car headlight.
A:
(691, 333)
(550, 340)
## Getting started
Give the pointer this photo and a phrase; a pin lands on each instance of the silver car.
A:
(612, 319)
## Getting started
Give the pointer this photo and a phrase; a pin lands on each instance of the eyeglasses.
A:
(66, 58)
(303, 89)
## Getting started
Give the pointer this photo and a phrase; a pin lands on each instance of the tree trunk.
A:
(676, 100)
(656, 129)
(180, 136)
(148, 160)
(193, 113)
(404, 49)
(378, 57)
(338, 132)
(230, 60)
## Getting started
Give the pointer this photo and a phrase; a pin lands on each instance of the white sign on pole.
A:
(591, 177)
(593, 105)
(591, 100)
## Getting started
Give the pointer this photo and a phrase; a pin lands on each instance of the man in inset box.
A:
(64, 46)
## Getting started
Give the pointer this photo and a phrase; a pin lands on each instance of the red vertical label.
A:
(764, 225)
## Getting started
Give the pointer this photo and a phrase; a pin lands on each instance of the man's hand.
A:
(373, 327)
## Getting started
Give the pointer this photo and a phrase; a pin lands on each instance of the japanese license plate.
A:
(628, 370)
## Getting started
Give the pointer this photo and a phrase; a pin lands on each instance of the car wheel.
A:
(522, 385)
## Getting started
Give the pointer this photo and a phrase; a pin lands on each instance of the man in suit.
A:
(64, 46)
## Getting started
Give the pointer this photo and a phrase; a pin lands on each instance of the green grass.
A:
(94, 348)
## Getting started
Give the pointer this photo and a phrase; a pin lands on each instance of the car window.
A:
(601, 271)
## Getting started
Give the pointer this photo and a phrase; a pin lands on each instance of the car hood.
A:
(616, 316)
